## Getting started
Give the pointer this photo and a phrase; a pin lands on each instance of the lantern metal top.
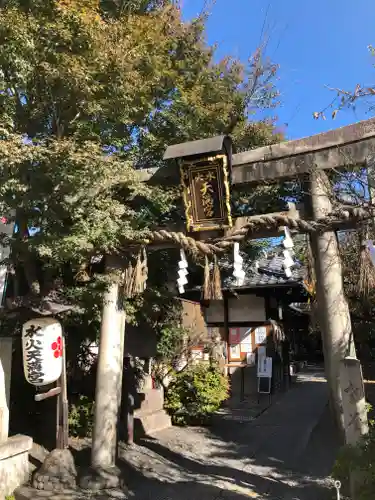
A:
(201, 147)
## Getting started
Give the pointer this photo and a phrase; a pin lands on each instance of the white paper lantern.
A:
(42, 348)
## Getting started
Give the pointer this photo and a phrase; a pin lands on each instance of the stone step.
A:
(14, 463)
(150, 401)
(152, 422)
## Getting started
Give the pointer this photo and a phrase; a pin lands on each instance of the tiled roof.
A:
(269, 271)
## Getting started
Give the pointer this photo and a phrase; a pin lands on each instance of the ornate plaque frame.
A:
(206, 193)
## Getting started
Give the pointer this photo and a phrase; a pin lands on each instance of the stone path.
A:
(284, 454)
(267, 458)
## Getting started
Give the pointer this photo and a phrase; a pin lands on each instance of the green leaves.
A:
(68, 190)
(195, 394)
(89, 92)
(359, 460)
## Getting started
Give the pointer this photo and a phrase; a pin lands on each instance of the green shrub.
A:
(81, 417)
(195, 394)
(359, 460)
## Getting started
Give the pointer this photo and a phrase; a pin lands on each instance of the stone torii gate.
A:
(308, 158)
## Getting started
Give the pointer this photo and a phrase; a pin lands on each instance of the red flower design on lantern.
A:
(57, 348)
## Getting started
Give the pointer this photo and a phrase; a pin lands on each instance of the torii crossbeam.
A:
(353, 144)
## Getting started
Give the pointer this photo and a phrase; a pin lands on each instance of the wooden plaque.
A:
(206, 193)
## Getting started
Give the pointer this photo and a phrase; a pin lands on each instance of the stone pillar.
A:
(355, 414)
(14, 451)
(104, 473)
(332, 308)
(353, 398)
(108, 382)
(5, 376)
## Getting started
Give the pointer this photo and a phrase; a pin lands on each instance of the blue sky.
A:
(316, 43)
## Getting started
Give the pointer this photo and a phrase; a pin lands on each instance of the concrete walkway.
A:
(270, 457)
(284, 454)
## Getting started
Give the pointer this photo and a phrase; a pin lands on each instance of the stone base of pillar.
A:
(57, 472)
(96, 480)
(14, 463)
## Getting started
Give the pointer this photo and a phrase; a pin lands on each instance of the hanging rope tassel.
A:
(217, 293)
(310, 284)
(206, 280)
(128, 281)
(142, 275)
(136, 275)
(137, 282)
(367, 271)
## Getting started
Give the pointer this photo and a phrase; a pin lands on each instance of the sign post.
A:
(62, 408)
(264, 372)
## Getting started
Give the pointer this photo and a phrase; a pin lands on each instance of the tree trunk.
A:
(334, 317)
(109, 376)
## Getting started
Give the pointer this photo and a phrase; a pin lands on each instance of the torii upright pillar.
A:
(104, 473)
(332, 306)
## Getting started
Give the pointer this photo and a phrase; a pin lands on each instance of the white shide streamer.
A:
(238, 271)
(182, 272)
(288, 252)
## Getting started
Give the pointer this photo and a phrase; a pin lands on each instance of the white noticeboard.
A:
(264, 367)
(260, 334)
(235, 352)
(261, 352)
(246, 340)
(246, 347)
(250, 359)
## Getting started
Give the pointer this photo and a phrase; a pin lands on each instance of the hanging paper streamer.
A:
(288, 241)
(182, 272)
(288, 253)
(238, 272)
